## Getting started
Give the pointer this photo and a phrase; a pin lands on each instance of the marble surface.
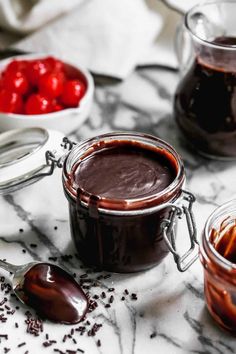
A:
(170, 314)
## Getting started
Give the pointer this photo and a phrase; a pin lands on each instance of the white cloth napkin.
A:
(109, 37)
(25, 16)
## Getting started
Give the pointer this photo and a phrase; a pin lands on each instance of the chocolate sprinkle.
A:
(49, 343)
(33, 245)
(21, 344)
(134, 297)
(99, 343)
(153, 335)
(107, 276)
(85, 275)
(3, 301)
(4, 336)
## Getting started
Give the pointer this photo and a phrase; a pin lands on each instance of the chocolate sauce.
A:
(225, 41)
(224, 241)
(54, 294)
(205, 101)
(124, 171)
(122, 175)
(220, 282)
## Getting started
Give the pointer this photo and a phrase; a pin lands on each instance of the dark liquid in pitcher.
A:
(205, 101)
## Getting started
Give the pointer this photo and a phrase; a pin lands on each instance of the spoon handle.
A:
(8, 267)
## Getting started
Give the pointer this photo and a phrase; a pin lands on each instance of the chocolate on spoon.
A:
(50, 290)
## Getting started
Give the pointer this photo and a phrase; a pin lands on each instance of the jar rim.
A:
(206, 247)
(131, 205)
(202, 41)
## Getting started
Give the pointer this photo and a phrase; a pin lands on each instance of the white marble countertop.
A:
(170, 314)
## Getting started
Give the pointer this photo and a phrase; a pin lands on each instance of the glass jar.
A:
(123, 234)
(218, 256)
(205, 99)
(127, 235)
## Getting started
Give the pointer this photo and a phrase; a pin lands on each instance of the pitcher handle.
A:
(183, 46)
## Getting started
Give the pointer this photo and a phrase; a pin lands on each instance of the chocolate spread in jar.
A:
(224, 240)
(220, 282)
(125, 171)
(121, 176)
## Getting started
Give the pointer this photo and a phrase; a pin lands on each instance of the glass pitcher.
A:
(205, 99)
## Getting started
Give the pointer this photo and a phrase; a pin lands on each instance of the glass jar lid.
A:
(22, 156)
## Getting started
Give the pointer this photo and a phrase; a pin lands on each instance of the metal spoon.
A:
(50, 290)
(18, 272)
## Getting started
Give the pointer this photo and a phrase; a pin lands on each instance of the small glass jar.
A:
(127, 235)
(220, 272)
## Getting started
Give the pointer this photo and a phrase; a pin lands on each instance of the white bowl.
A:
(66, 120)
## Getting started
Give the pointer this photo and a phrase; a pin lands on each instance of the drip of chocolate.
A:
(224, 241)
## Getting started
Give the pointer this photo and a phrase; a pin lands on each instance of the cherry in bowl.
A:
(44, 91)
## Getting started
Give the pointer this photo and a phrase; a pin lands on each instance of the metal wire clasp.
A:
(67, 143)
(168, 230)
(53, 161)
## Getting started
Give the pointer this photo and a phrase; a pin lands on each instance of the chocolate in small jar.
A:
(121, 189)
(218, 256)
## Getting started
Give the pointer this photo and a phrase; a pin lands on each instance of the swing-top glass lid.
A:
(23, 156)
